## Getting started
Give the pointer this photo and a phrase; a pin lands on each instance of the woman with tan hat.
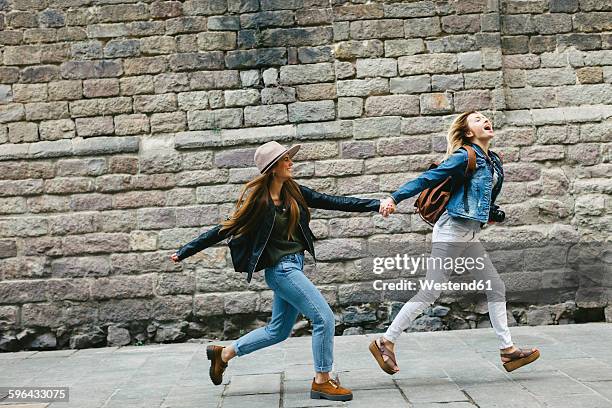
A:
(269, 230)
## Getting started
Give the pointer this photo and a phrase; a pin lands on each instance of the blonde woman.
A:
(455, 235)
(269, 230)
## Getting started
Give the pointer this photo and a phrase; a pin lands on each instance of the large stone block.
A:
(122, 287)
(256, 58)
(57, 129)
(215, 119)
(410, 10)
(96, 126)
(392, 105)
(422, 27)
(363, 87)
(380, 29)
(376, 67)
(348, 12)
(105, 145)
(90, 69)
(159, 45)
(412, 84)
(427, 64)
(398, 48)
(265, 115)
(65, 90)
(350, 107)
(155, 103)
(459, 24)
(122, 48)
(20, 132)
(312, 111)
(347, 50)
(224, 23)
(104, 106)
(217, 40)
(241, 97)
(313, 92)
(592, 22)
(9, 248)
(468, 100)
(24, 93)
(168, 122)
(296, 37)
(11, 112)
(50, 149)
(186, 24)
(436, 103)
(368, 128)
(46, 110)
(131, 124)
(281, 94)
(22, 55)
(304, 74)
(310, 55)
(196, 61)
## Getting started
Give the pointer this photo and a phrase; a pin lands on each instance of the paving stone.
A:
(254, 384)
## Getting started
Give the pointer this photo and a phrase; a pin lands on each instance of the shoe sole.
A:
(513, 365)
(210, 354)
(374, 350)
(331, 397)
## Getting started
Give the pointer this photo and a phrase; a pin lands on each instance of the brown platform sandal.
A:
(379, 350)
(217, 365)
(519, 358)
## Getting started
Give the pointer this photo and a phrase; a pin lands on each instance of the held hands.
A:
(387, 206)
(174, 257)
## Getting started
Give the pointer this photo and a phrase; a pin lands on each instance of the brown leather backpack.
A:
(432, 202)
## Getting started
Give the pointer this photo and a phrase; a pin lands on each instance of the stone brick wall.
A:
(128, 128)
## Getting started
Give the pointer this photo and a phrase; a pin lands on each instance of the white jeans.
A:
(456, 238)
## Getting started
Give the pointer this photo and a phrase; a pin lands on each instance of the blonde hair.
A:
(457, 134)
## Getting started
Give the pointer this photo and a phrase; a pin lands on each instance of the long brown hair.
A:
(253, 203)
(457, 134)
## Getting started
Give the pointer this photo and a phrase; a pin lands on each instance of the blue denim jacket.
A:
(481, 193)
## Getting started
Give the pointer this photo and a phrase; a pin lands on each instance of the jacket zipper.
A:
(264, 246)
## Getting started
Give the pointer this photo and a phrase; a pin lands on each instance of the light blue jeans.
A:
(294, 293)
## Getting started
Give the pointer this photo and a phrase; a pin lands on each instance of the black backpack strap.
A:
(469, 170)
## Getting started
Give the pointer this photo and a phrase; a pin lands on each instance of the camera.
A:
(496, 215)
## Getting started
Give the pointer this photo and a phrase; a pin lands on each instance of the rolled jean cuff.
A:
(237, 349)
(325, 369)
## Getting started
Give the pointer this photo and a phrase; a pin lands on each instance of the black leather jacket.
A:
(246, 250)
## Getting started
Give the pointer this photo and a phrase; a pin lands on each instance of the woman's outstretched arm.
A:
(205, 240)
(455, 165)
(315, 199)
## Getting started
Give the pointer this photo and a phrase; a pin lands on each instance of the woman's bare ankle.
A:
(227, 354)
(388, 343)
(321, 378)
(508, 349)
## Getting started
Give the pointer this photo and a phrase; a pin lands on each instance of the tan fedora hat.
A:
(269, 153)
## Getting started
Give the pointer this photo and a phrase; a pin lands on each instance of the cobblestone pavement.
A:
(458, 369)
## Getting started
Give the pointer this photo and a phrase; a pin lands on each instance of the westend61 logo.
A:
(438, 272)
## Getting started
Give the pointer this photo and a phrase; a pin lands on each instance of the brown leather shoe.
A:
(217, 365)
(330, 390)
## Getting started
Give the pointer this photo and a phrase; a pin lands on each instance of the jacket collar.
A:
(492, 155)
(478, 149)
